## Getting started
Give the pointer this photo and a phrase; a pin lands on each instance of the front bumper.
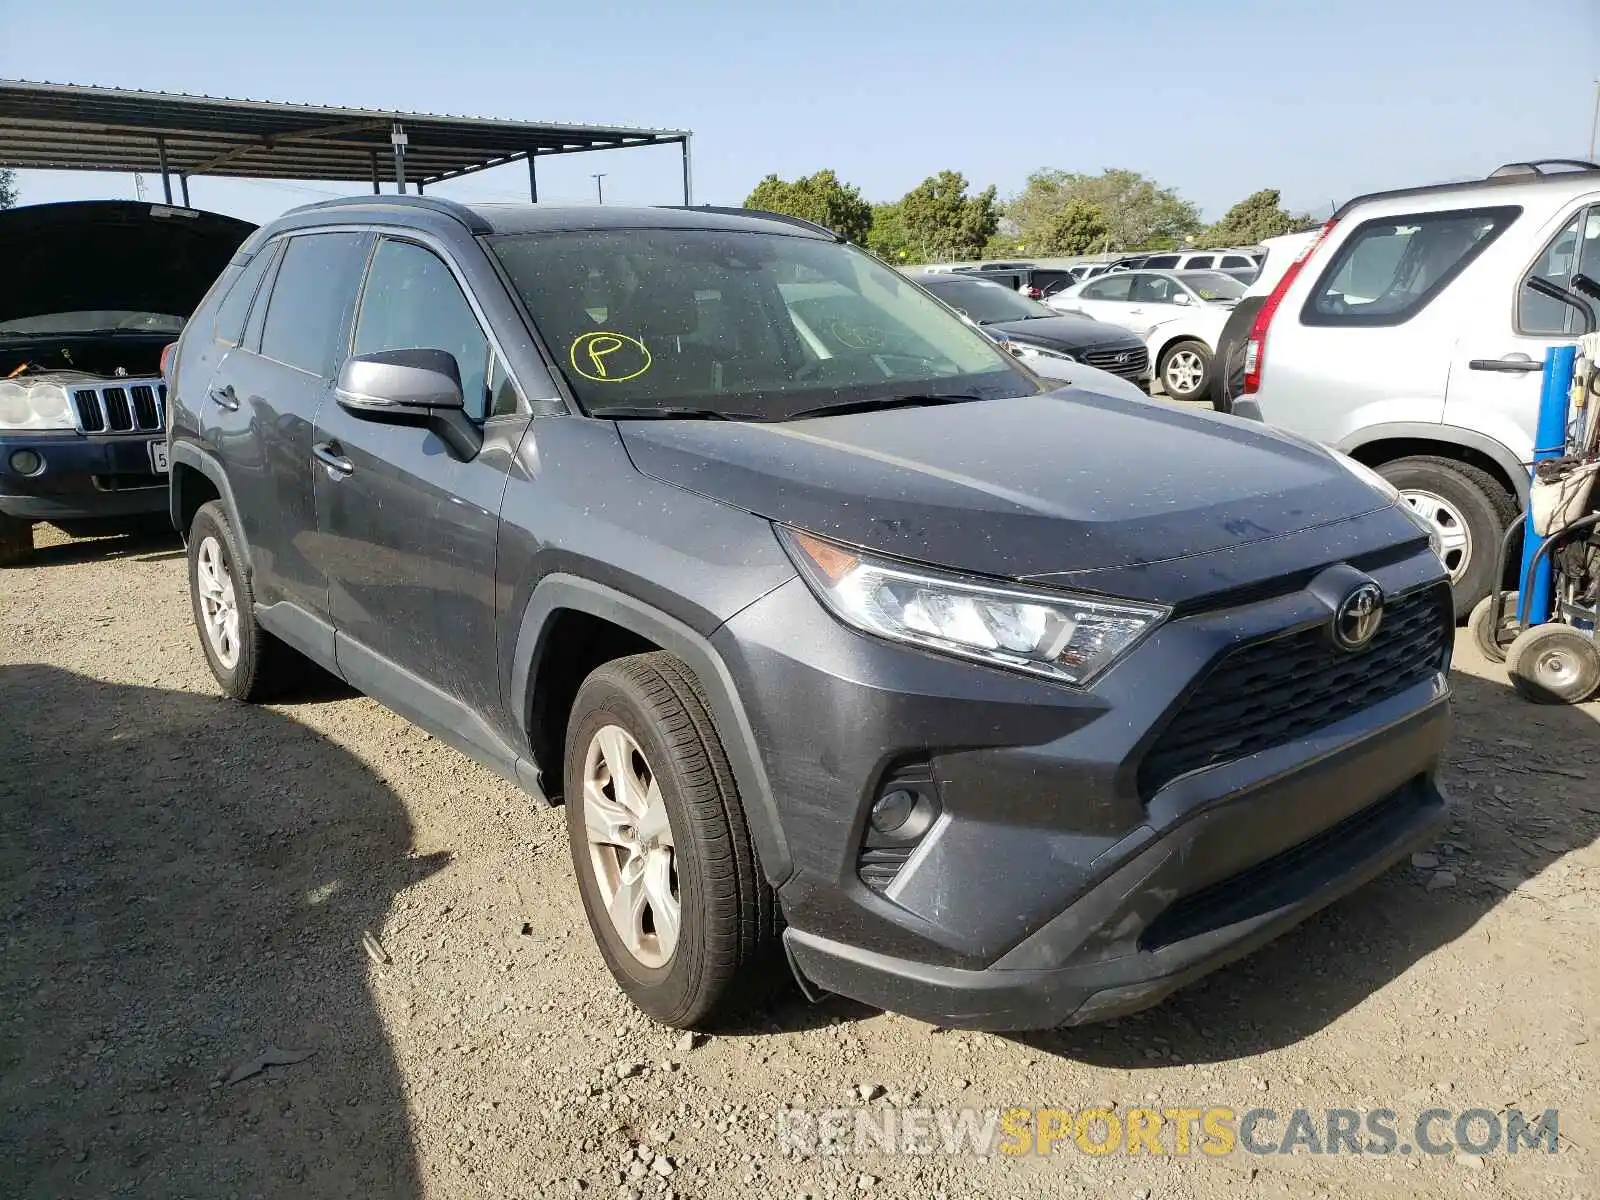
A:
(1055, 885)
(84, 477)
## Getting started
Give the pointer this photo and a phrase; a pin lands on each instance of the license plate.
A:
(158, 457)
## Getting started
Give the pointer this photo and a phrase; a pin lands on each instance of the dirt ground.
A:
(186, 882)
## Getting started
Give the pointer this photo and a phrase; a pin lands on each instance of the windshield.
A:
(745, 325)
(1213, 285)
(94, 322)
(986, 302)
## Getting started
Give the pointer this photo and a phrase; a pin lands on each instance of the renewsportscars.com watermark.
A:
(1215, 1130)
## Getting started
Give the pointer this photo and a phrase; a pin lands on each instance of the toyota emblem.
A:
(1358, 617)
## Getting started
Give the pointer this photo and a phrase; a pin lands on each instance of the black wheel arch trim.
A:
(189, 455)
(1446, 435)
(561, 591)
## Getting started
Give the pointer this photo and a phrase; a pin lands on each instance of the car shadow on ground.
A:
(185, 883)
(148, 540)
(1301, 983)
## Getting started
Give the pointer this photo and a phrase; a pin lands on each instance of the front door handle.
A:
(1513, 363)
(225, 397)
(327, 453)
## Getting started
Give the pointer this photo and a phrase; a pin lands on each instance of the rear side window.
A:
(1160, 262)
(235, 306)
(1388, 270)
(1199, 261)
(1574, 251)
(1235, 262)
(311, 300)
(1114, 287)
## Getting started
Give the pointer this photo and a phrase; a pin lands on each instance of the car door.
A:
(1104, 298)
(263, 399)
(1152, 301)
(407, 529)
(1496, 372)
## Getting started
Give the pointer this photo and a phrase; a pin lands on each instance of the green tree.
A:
(1257, 216)
(887, 237)
(8, 188)
(1076, 228)
(942, 222)
(821, 198)
(1138, 213)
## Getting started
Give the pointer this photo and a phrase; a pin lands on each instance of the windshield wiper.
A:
(667, 413)
(861, 406)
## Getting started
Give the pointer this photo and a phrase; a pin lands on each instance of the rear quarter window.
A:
(1389, 269)
(241, 288)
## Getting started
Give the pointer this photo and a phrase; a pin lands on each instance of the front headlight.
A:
(25, 404)
(1392, 494)
(1025, 351)
(1059, 635)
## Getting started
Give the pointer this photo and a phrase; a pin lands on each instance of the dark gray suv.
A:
(835, 628)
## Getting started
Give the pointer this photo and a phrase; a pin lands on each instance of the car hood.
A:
(106, 255)
(1066, 333)
(1064, 481)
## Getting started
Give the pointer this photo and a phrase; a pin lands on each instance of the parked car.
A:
(1409, 337)
(94, 290)
(809, 604)
(1025, 279)
(1244, 264)
(1190, 308)
(1226, 380)
(1036, 332)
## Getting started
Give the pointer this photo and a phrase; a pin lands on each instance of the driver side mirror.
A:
(410, 387)
(1181, 298)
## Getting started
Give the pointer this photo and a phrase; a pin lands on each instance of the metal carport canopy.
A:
(84, 128)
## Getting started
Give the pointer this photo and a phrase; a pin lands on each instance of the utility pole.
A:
(1594, 121)
(599, 192)
(138, 184)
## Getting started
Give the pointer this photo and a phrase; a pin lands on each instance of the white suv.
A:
(1407, 336)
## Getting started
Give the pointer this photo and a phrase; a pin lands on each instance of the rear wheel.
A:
(247, 661)
(1554, 664)
(1183, 369)
(1470, 511)
(665, 864)
(16, 541)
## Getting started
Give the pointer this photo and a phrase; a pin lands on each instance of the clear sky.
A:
(1217, 99)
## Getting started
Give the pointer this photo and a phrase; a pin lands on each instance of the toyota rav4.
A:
(838, 631)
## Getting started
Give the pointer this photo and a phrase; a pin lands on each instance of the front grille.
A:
(1136, 361)
(1269, 693)
(121, 407)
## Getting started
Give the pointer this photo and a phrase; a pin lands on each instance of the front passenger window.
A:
(412, 302)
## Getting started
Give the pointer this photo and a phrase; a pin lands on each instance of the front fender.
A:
(559, 591)
(190, 455)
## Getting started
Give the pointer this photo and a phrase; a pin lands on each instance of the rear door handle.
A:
(1515, 364)
(327, 453)
(225, 397)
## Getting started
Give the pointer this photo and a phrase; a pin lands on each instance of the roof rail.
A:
(447, 208)
(1535, 166)
(762, 213)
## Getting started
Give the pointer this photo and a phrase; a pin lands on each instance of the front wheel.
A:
(1183, 369)
(665, 863)
(1554, 664)
(247, 661)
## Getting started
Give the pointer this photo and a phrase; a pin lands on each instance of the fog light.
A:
(27, 462)
(893, 809)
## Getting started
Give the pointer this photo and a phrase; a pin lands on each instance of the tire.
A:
(1492, 641)
(1193, 360)
(16, 541)
(701, 858)
(1554, 664)
(249, 663)
(1479, 511)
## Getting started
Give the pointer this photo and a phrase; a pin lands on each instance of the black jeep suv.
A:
(834, 627)
(91, 293)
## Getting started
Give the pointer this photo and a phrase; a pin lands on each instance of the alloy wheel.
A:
(1184, 372)
(218, 605)
(1455, 537)
(631, 850)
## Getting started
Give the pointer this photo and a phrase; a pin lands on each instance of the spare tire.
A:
(1227, 371)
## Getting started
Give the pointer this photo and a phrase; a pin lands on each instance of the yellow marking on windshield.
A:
(590, 352)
